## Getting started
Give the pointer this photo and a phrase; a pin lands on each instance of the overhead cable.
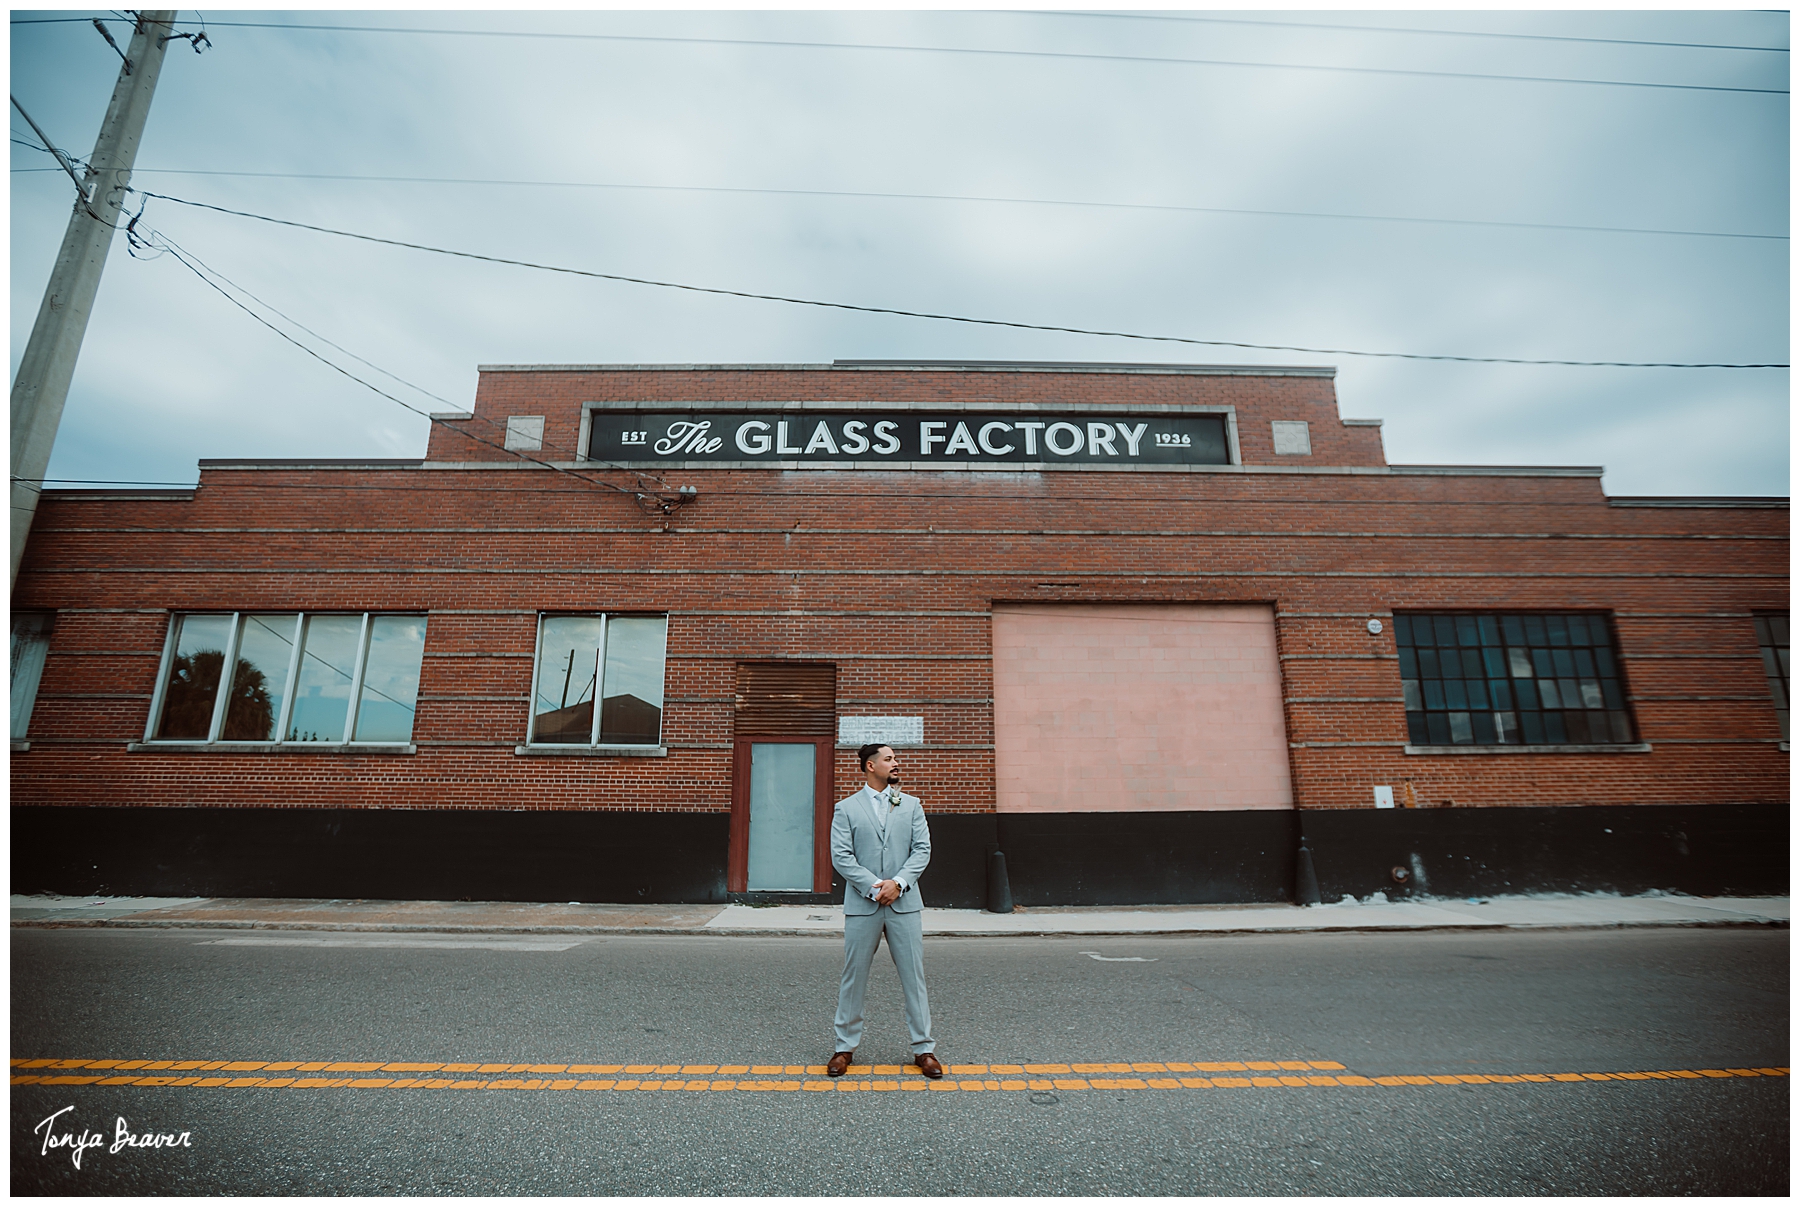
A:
(1050, 201)
(1066, 55)
(1387, 29)
(664, 502)
(285, 317)
(52, 148)
(1393, 29)
(955, 318)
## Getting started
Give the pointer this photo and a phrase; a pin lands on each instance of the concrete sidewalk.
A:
(1490, 913)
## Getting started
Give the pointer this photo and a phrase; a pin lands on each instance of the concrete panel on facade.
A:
(1135, 708)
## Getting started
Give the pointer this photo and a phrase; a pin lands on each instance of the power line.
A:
(965, 50)
(642, 477)
(954, 318)
(207, 274)
(870, 195)
(1391, 29)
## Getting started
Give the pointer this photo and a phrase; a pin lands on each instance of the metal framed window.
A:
(30, 645)
(1511, 679)
(298, 679)
(615, 659)
(1772, 637)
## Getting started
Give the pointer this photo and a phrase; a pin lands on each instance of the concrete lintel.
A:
(1502, 471)
(1631, 748)
(939, 366)
(271, 748)
(347, 463)
(617, 752)
(1776, 502)
(930, 405)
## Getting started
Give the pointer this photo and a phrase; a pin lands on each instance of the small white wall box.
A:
(524, 432)
(1384, 797)
(1292, 438)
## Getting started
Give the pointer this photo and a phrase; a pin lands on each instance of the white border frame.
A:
(583, 440)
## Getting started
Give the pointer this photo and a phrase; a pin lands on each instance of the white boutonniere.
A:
(893, 798)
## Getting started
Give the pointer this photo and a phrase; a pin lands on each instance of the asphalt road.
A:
(1381, 1005)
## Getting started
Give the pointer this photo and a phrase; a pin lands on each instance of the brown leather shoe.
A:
(838, 1063)
(928, 1065)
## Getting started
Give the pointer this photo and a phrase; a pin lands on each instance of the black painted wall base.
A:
(1115, 858)
(1702, 850)
(371, 854)
(1052, 858)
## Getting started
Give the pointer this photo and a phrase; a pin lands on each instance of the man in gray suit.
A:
(879, 845)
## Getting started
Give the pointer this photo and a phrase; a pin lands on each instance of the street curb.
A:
(743, 932)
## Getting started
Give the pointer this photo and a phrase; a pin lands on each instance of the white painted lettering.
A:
(854, 440)
(123, 1137)
(80, 1142)
(821, 440)
(781, 444)
(987, 445)
(1050, 439)
(1031, 431)
(961, 441)
(684, 435)
(928, 436)
(753, 437)
(886, 442)
(1132, 436)
(1100, 435)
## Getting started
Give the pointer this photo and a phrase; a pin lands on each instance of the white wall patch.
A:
(892, 731)
(1292, 437)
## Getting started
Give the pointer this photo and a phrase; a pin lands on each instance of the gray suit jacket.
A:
(863, 857)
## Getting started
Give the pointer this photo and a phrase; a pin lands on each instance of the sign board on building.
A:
(891, 731)
(916, 438)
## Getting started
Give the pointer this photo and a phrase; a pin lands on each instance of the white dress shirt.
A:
(878, 800)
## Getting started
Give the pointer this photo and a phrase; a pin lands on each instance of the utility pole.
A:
(42, 385)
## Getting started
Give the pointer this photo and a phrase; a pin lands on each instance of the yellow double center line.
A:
(1155, 1075)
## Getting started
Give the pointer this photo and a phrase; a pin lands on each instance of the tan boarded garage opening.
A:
(1135, 707)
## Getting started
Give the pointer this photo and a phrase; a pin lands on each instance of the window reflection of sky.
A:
(322, 695)
(634, 658)
(391, 679)
(566, 664)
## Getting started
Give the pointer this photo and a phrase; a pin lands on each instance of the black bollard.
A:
(999, 891)
(1306, 881)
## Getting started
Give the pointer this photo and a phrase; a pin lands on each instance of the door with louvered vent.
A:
(784, 732)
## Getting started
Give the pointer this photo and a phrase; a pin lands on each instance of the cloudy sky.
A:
(1415, 204)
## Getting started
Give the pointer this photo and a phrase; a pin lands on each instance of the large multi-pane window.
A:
(1506, 679)
(296, 677)
(617, 660)
(1772, 636)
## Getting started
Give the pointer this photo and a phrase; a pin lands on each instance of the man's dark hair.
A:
(865, 753)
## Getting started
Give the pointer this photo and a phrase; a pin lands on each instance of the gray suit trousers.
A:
(906, 943)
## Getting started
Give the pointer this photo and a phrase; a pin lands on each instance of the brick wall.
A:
(892, 576)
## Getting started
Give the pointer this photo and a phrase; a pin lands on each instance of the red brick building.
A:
(1142, 628)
